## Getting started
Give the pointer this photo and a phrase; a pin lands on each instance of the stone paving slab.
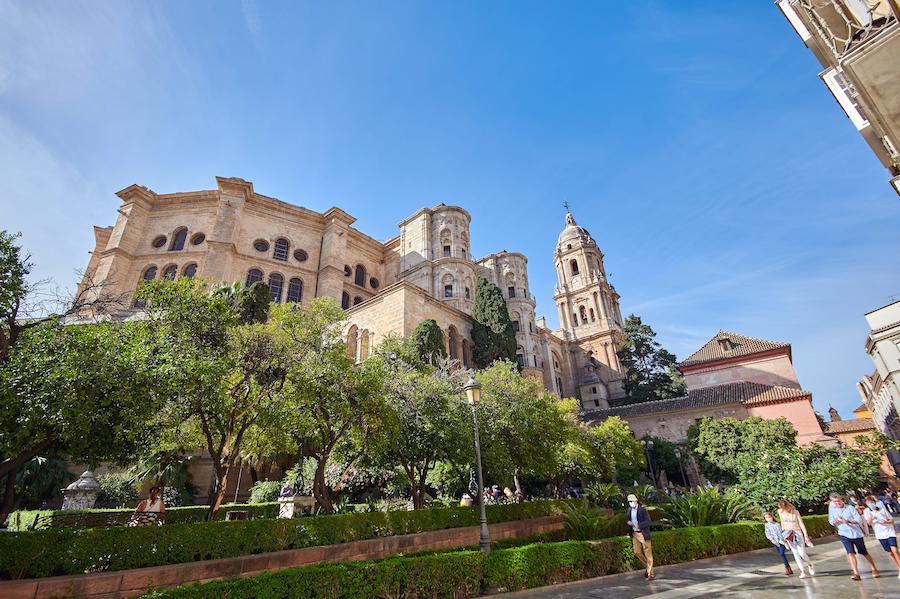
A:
(745, 575)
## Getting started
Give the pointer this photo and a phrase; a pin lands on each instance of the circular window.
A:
(373, 283)
(347, 271)
(159, 241)
(261, 245)
(198, 238)
(300, 256)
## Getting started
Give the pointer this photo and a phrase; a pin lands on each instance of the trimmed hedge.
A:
(100, 518)
(464, 574)
(451, 575)
(58, 551)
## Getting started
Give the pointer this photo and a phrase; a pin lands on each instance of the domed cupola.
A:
(572, 234)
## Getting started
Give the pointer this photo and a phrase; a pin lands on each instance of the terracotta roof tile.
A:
(738, 345)
(850, 426)
(745, 393)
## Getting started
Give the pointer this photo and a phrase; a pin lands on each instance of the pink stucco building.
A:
(730, 376)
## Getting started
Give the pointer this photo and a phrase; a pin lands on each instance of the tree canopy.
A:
(428, 340)
(760, 458)
(493, 337)
(650, 371)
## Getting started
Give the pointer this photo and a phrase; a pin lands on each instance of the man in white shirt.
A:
(639, 524)
(849, 528)
(882, 523)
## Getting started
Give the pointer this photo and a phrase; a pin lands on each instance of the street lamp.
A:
(648, 446)
(473, 396)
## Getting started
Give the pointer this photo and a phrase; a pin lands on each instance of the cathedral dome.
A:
(573, 232)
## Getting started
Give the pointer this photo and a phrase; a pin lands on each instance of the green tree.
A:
(220, 371)
(337, 409)
(521, 424)
(81, 391)
(427, 418)
(664, 459)
(650, 371)
(429, 341)
(605, 451)
(721, 444)
(760, 458)
(493, 337)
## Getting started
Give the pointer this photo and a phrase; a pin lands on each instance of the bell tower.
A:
(589, 315)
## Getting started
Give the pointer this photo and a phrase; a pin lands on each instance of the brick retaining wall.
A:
(130, 583)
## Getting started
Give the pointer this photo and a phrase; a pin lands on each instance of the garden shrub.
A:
(265, 491)
(116, 490)
(707, 507)
(58, 551)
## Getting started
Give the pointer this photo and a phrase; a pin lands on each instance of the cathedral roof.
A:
(744, 392)
(729, 345)
(573, 231)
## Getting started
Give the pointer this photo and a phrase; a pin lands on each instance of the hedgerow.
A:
(465, 574)
(56, 551)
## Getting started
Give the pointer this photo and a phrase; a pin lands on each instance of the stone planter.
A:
(295, 505)
(81, 494)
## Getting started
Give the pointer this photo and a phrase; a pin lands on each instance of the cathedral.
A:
(232, 233)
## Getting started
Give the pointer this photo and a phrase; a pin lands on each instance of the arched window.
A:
(520, 357)
(574, 319)
(351, 342)
(574, 266)
(190, 270)
(254, 275)
(345, 300)
(453, 343)
(582, 313)
(364, 345)
(150, 273)
(592, 315)
(178, 240)
(468, 293)
(295, 290)
(465, 352)
(276, 283)
(170, 272)
(360, 277)
(357, 300)
(281, 250)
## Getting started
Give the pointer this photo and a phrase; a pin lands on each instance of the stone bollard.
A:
(294, 505)
(81, 494)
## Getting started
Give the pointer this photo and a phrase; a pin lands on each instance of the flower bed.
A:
(59, 551)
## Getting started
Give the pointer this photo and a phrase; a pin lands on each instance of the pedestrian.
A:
(773, 533)
(149, 511)
(849, 528)
(639, 523)
(882, 524)
(792, 522)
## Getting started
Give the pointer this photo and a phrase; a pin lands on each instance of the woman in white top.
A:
(882, 524)
(149, 511)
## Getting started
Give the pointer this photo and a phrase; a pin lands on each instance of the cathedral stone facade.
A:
(233, 233)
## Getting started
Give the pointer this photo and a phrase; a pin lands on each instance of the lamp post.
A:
(648, 445)
(473, 396)
(687, 483)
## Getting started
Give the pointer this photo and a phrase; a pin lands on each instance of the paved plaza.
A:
(752, 574)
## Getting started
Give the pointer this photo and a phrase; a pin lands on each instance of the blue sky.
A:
(724, 184)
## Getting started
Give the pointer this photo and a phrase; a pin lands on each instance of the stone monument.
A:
(81, 494)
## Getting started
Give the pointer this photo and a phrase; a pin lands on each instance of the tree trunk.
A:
(9, 497)
(518, 483)
(320, 488)
(222, 471)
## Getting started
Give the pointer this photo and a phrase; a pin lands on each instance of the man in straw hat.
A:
(639, 524)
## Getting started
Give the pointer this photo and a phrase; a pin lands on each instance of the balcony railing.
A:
(844, 25)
